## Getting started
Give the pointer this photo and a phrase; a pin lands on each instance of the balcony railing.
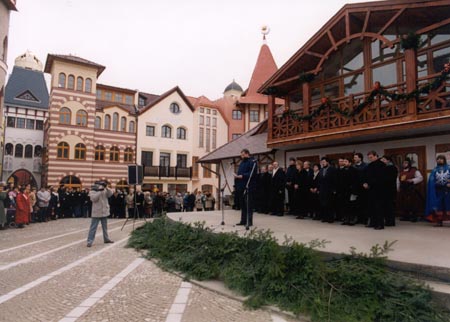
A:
(167, 172)
(383, 110)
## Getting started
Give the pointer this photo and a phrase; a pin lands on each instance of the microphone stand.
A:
(247, 227)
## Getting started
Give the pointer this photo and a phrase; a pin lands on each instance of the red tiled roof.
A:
(265, 67)
(115, 88)
(72, 59)
(149, 98)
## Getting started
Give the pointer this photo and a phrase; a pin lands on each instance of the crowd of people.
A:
(24, 205)
(351, 191)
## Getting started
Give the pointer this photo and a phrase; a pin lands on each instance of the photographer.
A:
(100, 210)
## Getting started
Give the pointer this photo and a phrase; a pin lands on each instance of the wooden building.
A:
(374, 77)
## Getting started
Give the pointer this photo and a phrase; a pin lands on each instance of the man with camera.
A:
(99, 196)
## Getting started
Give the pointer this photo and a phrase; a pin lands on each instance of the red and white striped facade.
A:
(88, 170)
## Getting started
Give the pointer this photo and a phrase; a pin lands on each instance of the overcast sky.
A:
(199, 45)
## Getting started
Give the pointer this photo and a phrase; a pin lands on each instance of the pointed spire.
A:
(265, 31)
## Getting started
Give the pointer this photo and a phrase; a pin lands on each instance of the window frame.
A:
(81, 118)
(80, 151)
(166, 131)
(181, 133)
(65, 115)
(114, 154)
(99, 153)
(63, 151)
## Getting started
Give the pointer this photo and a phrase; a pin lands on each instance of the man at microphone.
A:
(247, 174)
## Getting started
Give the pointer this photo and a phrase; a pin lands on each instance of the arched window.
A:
(71, 82)
(131, 127)
(114, 154)
(115, 122)
(28, 151)
(38, 151)
(99, 153)
(88, 85)
(123, 124)
(80, 151)
(175, 108)
(9, 149)
(64, 116)
(62, 80)
(128, 155)
(79, 84)
(107, 125)
(81, 118)
(63, 150)
(166, 131)
(18, 153)
(98, 122)
(181, 133)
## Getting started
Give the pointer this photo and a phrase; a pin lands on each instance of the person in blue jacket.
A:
(247, 168)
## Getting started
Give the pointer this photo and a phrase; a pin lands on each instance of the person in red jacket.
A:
(22, 208)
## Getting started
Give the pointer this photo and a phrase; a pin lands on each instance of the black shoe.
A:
(344, 223)
(390, 225)
(280, 215)
(299, 217)
(369, 226)
(109, 242)
(378, 228)
(89, 245)
(240, 224)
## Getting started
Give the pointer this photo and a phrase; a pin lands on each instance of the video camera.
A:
(99, 185)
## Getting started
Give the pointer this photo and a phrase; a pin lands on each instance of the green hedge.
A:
(293, 276)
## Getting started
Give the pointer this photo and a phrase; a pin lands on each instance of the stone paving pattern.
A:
(146, 294)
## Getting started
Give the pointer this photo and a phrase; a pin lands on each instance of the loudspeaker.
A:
(135, 174)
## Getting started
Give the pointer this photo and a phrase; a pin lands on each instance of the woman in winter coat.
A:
(22, 208)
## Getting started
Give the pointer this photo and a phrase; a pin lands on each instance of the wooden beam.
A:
(386, 26)
(312, 53)
(347, 26)
(333, 42)
(433, 26)
(366, 23)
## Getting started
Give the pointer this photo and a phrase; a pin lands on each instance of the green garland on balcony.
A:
(377, 90)
(410, 41)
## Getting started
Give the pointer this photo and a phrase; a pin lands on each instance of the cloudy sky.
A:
(199, 45)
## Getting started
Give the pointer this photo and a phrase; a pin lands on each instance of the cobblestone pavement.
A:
(94, 284)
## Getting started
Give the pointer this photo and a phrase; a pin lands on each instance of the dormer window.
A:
(175, 108)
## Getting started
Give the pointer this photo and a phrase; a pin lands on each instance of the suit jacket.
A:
(327, 181)
(278, 181)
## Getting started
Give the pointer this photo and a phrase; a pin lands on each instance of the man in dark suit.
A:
(278, 185)
(246, 180)
(291, 174)
(376, 185)
(391, 174)
(327, 190)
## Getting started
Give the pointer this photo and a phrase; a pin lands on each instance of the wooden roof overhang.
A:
(361, 20)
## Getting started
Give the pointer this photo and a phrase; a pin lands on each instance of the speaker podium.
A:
(135, 174)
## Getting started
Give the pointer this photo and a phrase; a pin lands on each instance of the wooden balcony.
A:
(384, 114)
(165, 172)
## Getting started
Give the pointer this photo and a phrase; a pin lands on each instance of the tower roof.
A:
(233, 86)
(265, 67)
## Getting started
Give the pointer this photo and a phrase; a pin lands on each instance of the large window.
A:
(114, 154)
(80, 151)
(123, 124)
(18, 152)
(131, 127)
(38, 151)
(147, 158)
(150, 130)
(201, 137)
(98, 122)
(107, 125)
(208, 121)
(99, 153)
(128, 155)
(214, 122)
(11, 121)
(81, 118)
(79, 84)
(181, 133)
(254, 116)
(201, 120)
(237, 115)
(208, 140)
(88, 85)
(20, 123)
(39, 125)
(182, 160)
(128, 99)
(118, 97)
(108, 96)
(166, 131)
(62, 150)
(28, 151)
(214, 139)
(62, 80)
(64, 116)
(115, 122)
(30, 124)
(9, 148)
(71, 82)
